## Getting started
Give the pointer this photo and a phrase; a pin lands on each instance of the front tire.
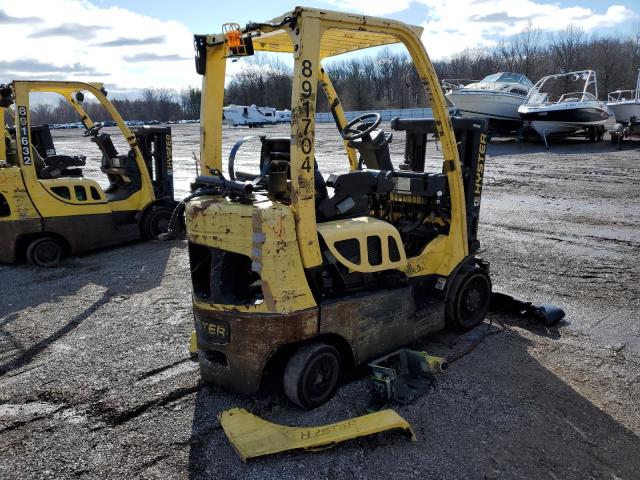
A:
(155, 222)
(312, 374)
(468, 298)
(45, 252)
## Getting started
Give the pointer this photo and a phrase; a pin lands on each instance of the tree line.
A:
(388, 79)
(160, 104)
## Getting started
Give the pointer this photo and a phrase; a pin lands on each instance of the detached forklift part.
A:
(251, 436)
(49, 209)
(307, 278)
(547, 313)
(193, 346)
(403, 376)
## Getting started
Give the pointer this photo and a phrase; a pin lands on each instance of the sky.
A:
(130, 45)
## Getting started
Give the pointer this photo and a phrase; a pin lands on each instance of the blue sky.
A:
(130, 45)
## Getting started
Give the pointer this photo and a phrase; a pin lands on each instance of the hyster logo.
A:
(480, 169)
(216, 332)
(169, 155)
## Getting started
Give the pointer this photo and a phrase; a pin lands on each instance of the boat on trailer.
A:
(496, 97)
(625, 106)
(554, 107)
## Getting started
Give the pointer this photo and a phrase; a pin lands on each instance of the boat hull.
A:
(563, 120)
(623, 111)
(481, 104)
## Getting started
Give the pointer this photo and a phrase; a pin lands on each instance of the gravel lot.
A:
(95, 380)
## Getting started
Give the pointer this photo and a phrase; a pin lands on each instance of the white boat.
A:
(554, 107)
(251, 116)
(625, 104)
(496, 97)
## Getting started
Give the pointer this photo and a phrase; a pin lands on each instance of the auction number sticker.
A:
(24, 136)
(307, 90)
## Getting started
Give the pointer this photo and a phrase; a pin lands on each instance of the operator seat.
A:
(59, 166)
(56, 166)
(353, 190)
(274, 152)
(351, 193)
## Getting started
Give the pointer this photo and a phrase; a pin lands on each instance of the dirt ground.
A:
(95, 380)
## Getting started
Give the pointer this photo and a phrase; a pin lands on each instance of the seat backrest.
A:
(352, 192)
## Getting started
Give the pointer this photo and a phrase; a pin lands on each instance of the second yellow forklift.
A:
(49, 208)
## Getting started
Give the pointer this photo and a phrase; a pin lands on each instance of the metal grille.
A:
(374, 250)
(349, 249)
(394, 254)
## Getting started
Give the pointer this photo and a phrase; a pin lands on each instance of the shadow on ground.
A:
(103, 270)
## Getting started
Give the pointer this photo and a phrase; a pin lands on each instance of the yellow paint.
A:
(47, 204)
(304, 95)
(193, 344)
(211, 110)
(3, 147)
(251, 436)
(32, 198)
(361, 228)
(264, 232)
(316, 35)
(332, 97)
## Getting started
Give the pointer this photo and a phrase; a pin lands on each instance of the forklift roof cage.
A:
(312, 35)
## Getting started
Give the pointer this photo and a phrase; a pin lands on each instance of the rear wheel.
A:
(468, 299)
(44, 252)
(155, 222)
(312, 374)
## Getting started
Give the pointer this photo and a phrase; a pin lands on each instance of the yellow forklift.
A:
(48, 209)
(303, 277)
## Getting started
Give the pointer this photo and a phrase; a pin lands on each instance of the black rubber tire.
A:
(468, 299)
(155, 222)
(45, 252)
(317, 360)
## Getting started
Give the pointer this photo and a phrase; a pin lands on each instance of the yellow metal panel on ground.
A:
(251, 436)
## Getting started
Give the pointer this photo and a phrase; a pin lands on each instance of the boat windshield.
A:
(507, 77)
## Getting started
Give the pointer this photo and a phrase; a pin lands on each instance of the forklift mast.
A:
(157, 151)
(471, 139)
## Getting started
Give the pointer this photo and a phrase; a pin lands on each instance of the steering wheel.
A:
(92, 131)
(350, 132)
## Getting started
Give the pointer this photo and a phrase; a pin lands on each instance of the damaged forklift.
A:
(310, 277)
(49, 209)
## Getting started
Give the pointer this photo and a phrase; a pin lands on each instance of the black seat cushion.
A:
(352, 193)
(57, 165)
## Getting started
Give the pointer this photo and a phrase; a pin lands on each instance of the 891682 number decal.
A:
(24, 136)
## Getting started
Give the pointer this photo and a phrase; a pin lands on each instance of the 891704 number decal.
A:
(307, 90)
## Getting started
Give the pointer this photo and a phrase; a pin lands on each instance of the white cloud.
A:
(453, 25)
(58, 38)
(371, 7)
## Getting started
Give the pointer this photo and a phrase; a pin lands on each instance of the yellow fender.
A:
(251, 436)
